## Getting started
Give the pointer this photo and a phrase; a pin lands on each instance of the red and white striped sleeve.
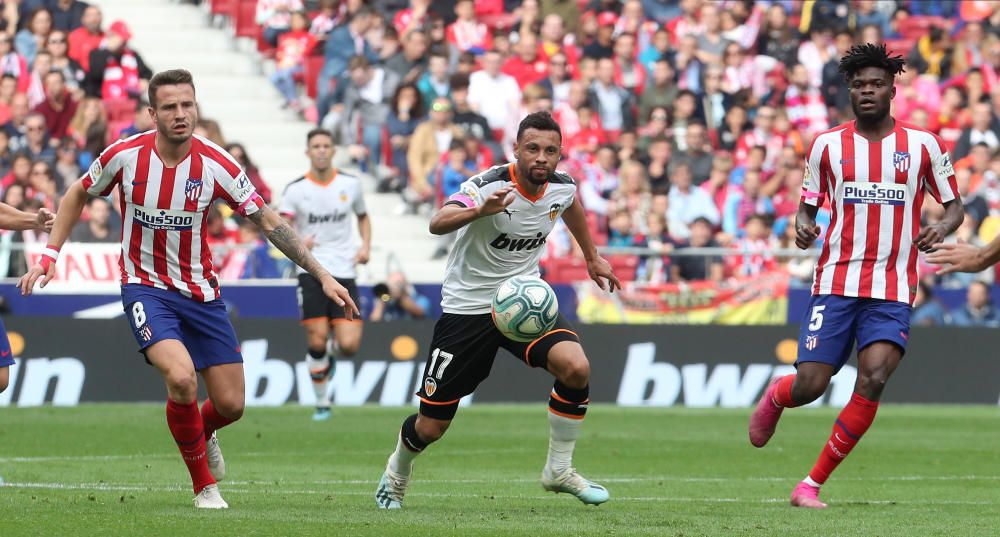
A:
(102, 176)
(941, 182)
(813, 185)
(231, 182)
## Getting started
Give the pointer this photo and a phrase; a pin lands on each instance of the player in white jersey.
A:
(503, 216)
(168, 180)
(875, 172)
(319, 205)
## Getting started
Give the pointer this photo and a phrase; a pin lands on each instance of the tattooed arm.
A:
(284, 238)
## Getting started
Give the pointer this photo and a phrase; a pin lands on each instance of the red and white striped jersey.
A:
(876, 190)
(164, 210)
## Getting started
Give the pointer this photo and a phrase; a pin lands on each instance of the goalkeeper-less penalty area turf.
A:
(114, 470)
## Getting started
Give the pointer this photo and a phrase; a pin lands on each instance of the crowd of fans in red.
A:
(684, 121)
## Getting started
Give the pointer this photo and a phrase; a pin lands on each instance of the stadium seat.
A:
(115, 128)
(310, 74)
(222, 7)
(566, 270)
(245, 24)
(624, 266)
(917, 26)
(119, 109)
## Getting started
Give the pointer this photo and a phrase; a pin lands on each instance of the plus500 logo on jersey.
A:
(874, 193)
(163, 219)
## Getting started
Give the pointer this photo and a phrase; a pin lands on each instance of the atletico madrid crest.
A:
(901, 159)
(192, 189)
(811, 342)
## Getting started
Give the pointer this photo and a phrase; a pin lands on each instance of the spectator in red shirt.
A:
(86, 38)
(467, 34)
(239, 153)
(411, 18)
(293, 47)
(8, 87)
(526, 67)
(20, 172)
(629, 73)
(58, 107)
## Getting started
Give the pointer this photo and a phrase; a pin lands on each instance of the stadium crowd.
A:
(684, 121)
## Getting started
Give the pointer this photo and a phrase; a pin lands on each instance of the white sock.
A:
(563, 433)
(809, 481)
(401, 460)
(320, 387)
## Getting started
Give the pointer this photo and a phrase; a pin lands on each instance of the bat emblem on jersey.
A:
(510, 213)
(554, 211)
(192, 189)
(901, 159)
(430, 386)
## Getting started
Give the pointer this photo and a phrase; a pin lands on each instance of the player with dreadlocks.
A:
(874, 171)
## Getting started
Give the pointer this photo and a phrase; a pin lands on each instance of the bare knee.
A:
(431, 430)
(182, 385)
(230, 407)
(808, 388)
(349, 345)
(574, 372)
(4, 378)
(870, 384)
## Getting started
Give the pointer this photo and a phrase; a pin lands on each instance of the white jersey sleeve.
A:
(359, 201)
(290, 201)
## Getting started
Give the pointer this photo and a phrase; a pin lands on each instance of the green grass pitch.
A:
(114, 470)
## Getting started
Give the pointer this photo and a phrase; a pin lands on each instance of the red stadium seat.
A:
(917, 26)
(115, 128)
(311, 69)
(566, 270)
(624, 266)
(120, 109)
(222, 7)
(245, 23)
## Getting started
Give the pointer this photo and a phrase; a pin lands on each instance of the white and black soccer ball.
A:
(525, 308)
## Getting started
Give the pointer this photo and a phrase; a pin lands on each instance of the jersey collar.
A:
(321, 183)
(512, 169)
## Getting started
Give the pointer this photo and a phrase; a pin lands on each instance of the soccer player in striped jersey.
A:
(875, 172)
(14, 219)
(168, 179)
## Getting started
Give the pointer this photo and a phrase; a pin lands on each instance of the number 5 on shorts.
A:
(816, 318)
(445, 360)
(138, 314)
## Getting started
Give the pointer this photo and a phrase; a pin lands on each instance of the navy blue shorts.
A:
(833, 324)
(203, 327)
(6, 357)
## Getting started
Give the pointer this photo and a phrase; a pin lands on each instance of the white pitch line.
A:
(258, 454)
(109, 487)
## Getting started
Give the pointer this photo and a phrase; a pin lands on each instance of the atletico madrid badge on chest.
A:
(192, 189)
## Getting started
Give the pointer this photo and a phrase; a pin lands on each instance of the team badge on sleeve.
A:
(943, 168)
(192, 189)
(96, 169)
(901, 160)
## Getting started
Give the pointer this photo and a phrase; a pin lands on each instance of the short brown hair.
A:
(173, 77)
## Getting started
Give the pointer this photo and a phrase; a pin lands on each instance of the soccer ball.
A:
(525, 308)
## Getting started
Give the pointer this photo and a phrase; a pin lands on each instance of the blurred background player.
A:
(866, 277)
(318, 205)
(14, 219)
(465, 340)
(168, 180)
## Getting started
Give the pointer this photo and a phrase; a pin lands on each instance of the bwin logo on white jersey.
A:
(512, 244)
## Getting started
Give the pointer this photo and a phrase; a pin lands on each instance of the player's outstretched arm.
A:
(452, 217)
(806, 230)
(598, 267)
(284, 238)
(15, 219)
(66, 217)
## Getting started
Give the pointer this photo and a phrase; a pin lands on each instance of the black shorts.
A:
(314, 304)
(461, 356)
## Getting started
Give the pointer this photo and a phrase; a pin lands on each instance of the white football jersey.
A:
(322, 211)
(491, 249)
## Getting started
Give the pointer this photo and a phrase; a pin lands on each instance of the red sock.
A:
(212, 420)
(851, 424)
(185, 424)
(783, 392)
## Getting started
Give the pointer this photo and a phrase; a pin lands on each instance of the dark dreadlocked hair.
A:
(870, 55)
